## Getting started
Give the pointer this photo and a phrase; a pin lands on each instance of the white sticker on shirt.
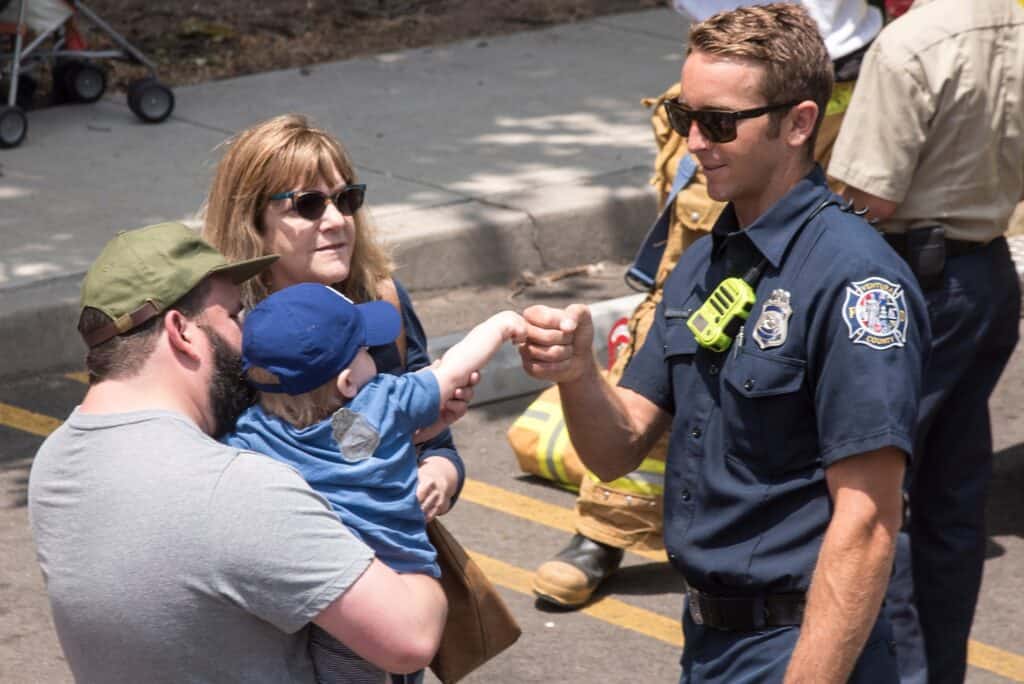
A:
(875, 312)
(356, 438)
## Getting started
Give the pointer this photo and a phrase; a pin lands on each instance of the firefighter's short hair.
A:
(784, 39)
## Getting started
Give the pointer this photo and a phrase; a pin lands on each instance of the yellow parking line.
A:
(980, 655)
(610, 610)
(531, 509)
(80, 376)
(983, 656)
(1005, 663)
(27, 421)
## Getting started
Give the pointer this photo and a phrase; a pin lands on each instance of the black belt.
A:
(954, 248)
(747, 613)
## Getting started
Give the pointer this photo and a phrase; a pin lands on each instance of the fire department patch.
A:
(876, 313)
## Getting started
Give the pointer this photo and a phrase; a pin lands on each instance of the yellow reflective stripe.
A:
(840, 99)
(648, 479)
(628, 485)
(545, 419)
(557, 445)
(546, 424)
(546, 448)
(653, 465)
(531, 423)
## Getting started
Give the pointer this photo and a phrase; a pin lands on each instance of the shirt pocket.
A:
(680, 344)
(769, 416)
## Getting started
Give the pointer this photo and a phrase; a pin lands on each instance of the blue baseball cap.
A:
(307, 334)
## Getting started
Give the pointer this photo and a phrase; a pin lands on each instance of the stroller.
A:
(56, 40)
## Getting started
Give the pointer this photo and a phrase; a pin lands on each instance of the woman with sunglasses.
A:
(284, 187)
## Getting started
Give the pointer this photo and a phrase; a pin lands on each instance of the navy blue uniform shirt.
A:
(828, 365)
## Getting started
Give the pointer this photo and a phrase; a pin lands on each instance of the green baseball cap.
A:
(143, 272)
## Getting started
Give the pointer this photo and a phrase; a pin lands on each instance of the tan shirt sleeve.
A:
(884, 130)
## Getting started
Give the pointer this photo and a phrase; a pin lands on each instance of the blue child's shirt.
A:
(363, 461)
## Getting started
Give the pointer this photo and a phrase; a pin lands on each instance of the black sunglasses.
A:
(716, 125)
(311, 204)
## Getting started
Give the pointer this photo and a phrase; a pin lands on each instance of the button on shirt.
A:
(755, 427)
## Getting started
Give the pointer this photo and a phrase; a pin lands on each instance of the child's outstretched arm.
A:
(457, 368)
(474, 350)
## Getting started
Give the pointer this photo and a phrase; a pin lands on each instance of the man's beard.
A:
(229, 394)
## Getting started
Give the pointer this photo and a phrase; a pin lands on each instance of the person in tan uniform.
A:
(628, 512)
(935, 150)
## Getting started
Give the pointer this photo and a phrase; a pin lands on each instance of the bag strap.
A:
(640, 276)
(388, 292)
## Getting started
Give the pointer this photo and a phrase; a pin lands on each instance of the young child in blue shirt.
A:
(348, 430)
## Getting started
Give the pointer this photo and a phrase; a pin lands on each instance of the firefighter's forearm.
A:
(610, 427)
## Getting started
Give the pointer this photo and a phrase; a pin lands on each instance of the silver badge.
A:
(772, 326)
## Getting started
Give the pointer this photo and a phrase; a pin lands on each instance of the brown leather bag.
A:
(479, 625)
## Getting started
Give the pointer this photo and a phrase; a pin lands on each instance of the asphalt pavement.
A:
(511, 523)
(484, 159)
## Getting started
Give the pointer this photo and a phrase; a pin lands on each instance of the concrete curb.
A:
(504, 377)
(472, 243)
(38, 327)
(491, 240)
(38, 320)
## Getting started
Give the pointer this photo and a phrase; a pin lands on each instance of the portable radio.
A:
(723, 313)
(718, 319)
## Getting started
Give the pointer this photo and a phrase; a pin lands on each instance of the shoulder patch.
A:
(875, 312)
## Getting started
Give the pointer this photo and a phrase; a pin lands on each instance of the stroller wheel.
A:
(86, 82)
(150, 100)
(75, 80)
(13, 126)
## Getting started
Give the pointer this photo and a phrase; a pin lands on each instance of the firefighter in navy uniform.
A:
(788, 444)
(627, 513)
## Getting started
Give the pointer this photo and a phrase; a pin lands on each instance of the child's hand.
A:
(512, 326)
(437, 482)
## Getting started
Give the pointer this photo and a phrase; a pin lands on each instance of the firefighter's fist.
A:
(558, 342)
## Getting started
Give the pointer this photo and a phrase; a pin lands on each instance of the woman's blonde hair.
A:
(300, 410)
(275, 156)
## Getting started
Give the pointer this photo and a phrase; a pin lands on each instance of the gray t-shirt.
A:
(169, 557)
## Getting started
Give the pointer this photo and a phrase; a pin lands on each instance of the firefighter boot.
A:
(571, 577)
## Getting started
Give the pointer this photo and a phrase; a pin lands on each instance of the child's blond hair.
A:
(299, 410)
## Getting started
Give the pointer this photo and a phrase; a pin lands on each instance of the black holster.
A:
(924, 250)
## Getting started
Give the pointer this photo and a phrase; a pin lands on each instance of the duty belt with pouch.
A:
(926, 249)
(746, 613)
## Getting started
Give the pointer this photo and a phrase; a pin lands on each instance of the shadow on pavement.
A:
(14, 483)
(645, 580)
(1005, 509)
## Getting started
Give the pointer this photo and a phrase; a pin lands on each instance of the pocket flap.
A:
(679, 339)
(755, 374)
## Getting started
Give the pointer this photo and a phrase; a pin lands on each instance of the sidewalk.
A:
(483, 158)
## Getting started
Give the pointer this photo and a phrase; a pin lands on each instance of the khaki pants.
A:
(614, 512)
